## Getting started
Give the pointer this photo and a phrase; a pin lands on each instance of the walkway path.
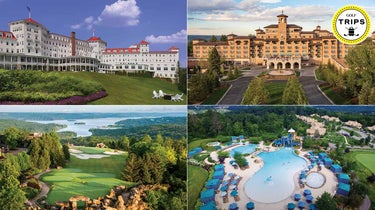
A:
(238, 87)
(44, 190)
(366, 204)
(310, 85)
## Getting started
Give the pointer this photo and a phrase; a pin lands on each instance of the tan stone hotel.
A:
(278, 46)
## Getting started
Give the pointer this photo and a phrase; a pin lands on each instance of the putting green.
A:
(91, 177)
(367, 160)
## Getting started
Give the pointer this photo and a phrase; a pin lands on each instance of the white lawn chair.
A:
(179, 97)
(161, 94)
(156, 95)
(174, 98)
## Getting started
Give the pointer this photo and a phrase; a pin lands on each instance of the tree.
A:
(125, 143)
(159, 139)
(182, 79)
(66, 152)
(326, 202)
(213, 38)
(223, 38)
(23, 161)
(236, 71)
(256, 93)
(12, 137)
(294, 93)
(132, 169)
(214, 61)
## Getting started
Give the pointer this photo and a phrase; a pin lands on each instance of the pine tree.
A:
(223, 38)
(125, 143)
(159, 139)
(213, 38)
(214, 61)
(132, 170)
(294, 93)
(230, 73)
(256, 93)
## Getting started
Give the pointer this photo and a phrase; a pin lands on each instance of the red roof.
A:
(3, 34)
(30, 20)
(143, 42)
(173, 48)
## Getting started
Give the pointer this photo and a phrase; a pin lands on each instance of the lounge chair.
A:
(161, 94)
(179, 97)
(237, 198)
(156, 95)
(225, 199)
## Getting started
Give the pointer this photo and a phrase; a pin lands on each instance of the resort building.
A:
(30, 45)
(278, 46)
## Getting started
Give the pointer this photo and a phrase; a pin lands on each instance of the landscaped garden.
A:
(88, 177)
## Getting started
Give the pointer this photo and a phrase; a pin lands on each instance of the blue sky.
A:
(120, 23)
(95, 109)
(243, 17)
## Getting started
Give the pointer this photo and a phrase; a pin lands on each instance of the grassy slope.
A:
(129, 90)
(365, 159)
(100, 175)
(197, 178)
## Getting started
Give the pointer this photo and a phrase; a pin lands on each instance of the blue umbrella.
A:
(233, 206)
(234, 193)
(312, 206)
(309, 198)
(306, 192)
(297, 197)
(291, 206)
(225, 183)
(224, 188)
(230, 174)
(250, 205)
(301, 204)
(234, 182)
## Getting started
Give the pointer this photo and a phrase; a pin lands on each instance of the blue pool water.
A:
(247, 149)
(274, 182)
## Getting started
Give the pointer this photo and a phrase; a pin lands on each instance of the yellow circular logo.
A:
(351, 24)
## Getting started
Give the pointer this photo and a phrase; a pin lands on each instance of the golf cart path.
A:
(44, 189)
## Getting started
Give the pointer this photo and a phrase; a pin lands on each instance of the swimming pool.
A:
(315, 180)
(247, 149)
(274, 182)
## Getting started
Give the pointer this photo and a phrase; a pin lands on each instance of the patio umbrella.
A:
(301, 204)
(303, 180)
(237, 177)
(230, 174)
(297, 197)
(309, 198)
(234, 193)
(232, 161)
(232, 187)
(224, 188)
(233, 206)
(312, 206)
(222, 194)
(291, 206)
(227, 178)
(234, 182)
(224, 183)
(306, 192)
(250, 205)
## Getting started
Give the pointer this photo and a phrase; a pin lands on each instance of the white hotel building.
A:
(29, 45)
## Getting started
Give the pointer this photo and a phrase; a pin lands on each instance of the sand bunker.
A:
(88, 156)
(75, 151)
(113, 152)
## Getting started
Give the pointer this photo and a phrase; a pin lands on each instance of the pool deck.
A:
(329, 186)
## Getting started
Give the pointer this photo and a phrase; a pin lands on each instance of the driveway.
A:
(310, 85)
(238, 87)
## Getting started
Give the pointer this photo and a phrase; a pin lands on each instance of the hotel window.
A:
(158, 68)
(165, 68)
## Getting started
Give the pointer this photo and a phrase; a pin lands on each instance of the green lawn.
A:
(129, 90)
(197, 178)
(335, 96)
(203, 142)
(92, 150)
(367, 160)
(275, 90)
(214, 97)
(91, 177)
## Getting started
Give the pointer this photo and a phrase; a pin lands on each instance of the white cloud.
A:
(179, 37)
(195, 5)
(270, 1)
(119, 14)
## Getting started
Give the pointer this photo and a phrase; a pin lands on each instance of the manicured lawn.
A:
(203, 142)
(368, 160)
(129, 90)
(335, 96)
(215, 96)
(197, 178)
(91, 177)
(275, 90)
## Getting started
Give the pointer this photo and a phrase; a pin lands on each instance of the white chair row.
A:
(158, 95)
